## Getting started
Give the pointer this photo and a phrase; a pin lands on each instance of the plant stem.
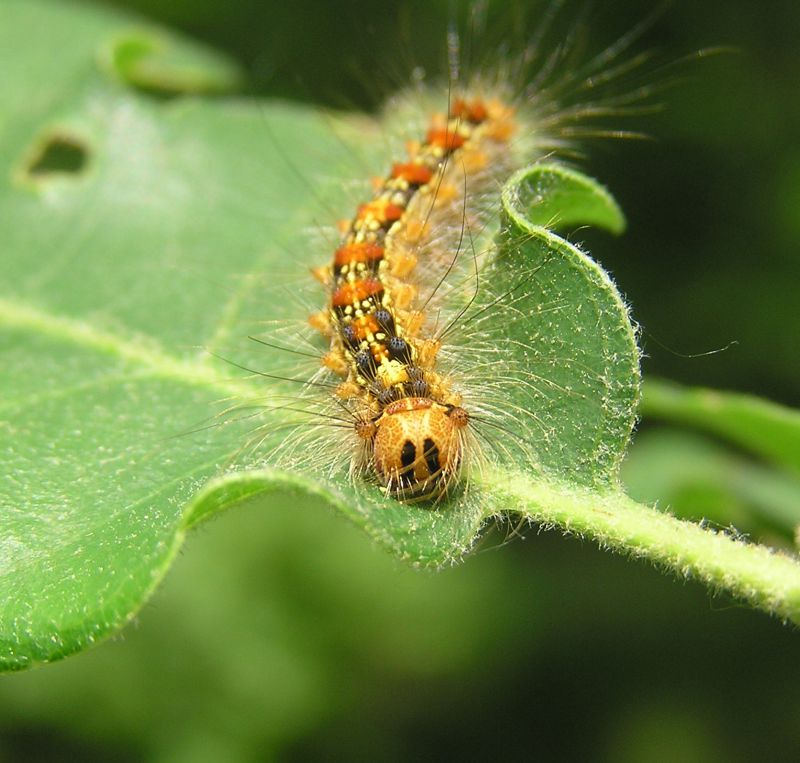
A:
(764, 578)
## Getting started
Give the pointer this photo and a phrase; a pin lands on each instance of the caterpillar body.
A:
(418, 367)
(409, 422)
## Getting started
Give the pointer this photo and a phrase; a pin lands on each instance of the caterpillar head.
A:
(417, 447)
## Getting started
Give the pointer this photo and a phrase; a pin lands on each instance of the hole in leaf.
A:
(58, 154)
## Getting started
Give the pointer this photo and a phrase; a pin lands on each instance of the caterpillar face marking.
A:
(417, 447)
(411, 426)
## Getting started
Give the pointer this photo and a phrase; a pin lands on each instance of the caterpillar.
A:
(409, 421)
(405, 271)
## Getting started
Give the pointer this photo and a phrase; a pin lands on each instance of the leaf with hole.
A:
(124, 275)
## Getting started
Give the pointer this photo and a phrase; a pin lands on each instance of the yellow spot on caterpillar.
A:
(404, 294)
(403, 264)
(428, 350)
(335, 361)
(321, 321)
(322, 274)
(347, 390)
(392, 372)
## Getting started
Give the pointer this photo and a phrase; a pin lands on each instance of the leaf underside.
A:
(153, 248)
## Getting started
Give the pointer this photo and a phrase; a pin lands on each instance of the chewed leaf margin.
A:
(555, 197)
(571, 346)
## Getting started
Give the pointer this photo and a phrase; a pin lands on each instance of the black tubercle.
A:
(398, 349)
(384, 320)
(349, 337)
(386, 396)
(366, 364)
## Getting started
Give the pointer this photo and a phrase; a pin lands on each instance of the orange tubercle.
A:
(474, 161)
(347, 390)
(322, 274)
(321, 321)
(404, 294)
(415, 230)
(447, 140)
(336, 362)
(352, 293)
(413, 322)
(357, 252)
(428, 350)
(473, 111)
(403, 264)
(381, 210)
(446, 193)
(415, 174)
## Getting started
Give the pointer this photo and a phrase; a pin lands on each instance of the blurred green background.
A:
(287, 636)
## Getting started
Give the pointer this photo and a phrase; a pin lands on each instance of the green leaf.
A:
(157, 246)
(573, 363)
(766, 429)
(119, 271)
(116, 272)
(700, 479)
(557, 197)
(145, 59)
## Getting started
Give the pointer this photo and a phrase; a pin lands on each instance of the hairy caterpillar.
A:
(408, 419)
(413, 370)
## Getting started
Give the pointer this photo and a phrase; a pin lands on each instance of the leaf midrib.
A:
(145, 353)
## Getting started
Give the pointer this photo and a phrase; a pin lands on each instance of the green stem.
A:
(765, 578)
(767, 429)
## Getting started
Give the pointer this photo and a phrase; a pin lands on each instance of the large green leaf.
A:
(141, 236)
(769, 430)
(700, 479)
(144, 238)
